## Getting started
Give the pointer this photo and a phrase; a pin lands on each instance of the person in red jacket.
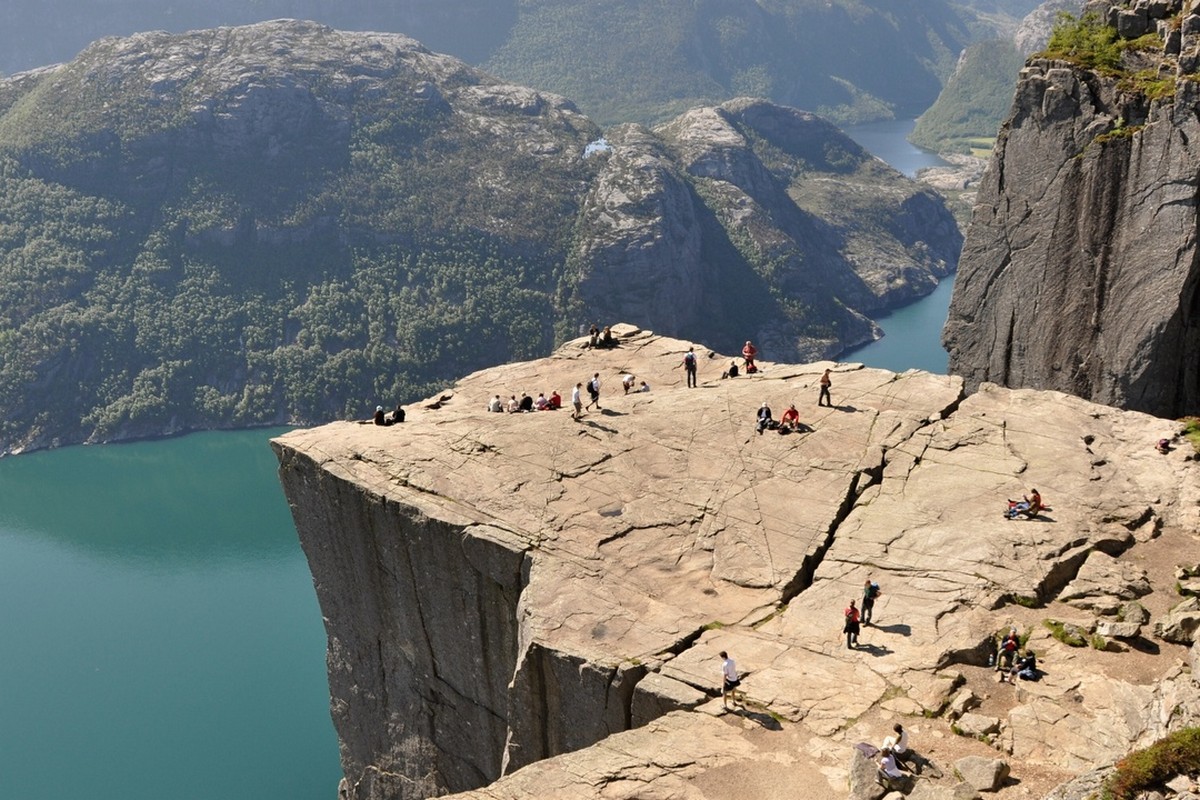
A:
(748, 354)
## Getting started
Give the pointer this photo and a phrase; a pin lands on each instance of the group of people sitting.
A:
(1029, 506)
(893, 756)
(1011, 663)
(526, 403)
(601, 338)
(788, 423)
(382, 418)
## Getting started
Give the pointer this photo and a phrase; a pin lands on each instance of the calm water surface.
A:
(160, 635)
(912, 335)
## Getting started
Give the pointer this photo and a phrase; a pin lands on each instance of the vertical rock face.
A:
(1079, 271)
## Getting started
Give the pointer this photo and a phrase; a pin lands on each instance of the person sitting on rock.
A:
(496, 405)
(890, 774)
(1025, 668)
(732, 372)
(541, 402)
(790, 421)
(513, 405)
(593, 336)
(526, 403)
(379, 417)
(764, 418)
(1006, 654)
(555, 401)
(645, 387)
(606, 338)
(397, 415)
(897, 743)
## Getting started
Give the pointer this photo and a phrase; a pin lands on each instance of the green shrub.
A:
(1069, 636)
(1177, 754)
(1087, 41)
(1191, 431)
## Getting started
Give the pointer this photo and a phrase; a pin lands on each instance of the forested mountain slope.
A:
(283, 222)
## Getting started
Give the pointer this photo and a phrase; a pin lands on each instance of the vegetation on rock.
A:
(1176, 754)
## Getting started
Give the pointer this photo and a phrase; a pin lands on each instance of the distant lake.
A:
(160, 637)
(913, 333)
(889, 141)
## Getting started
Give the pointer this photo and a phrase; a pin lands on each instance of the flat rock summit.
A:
(527, 605)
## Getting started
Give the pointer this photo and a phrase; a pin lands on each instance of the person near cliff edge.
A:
(825, 399)
(689, 367)
(379, 417)
(398, 415)
(749, 351)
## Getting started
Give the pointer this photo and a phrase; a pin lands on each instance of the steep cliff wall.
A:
(504, 589)
(1079, 271)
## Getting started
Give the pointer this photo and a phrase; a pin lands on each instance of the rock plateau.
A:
(524, 605)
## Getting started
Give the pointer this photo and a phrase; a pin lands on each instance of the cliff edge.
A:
(1079, 272)
(539, 600)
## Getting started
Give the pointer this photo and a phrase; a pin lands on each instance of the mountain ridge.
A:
(287, 223)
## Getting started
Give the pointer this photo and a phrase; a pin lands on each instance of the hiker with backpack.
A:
(870, 592)
(689, 366)
(593, 388)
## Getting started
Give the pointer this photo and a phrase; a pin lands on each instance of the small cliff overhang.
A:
(499, 589)
(1080, 271)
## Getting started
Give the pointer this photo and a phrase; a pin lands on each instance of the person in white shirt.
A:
(897, 742)
(576, 402)
(729, 681)
(627, 382)
(496, 405)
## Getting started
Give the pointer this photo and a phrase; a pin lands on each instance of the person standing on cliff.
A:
(851, 626)
(730, 682)
(870, 592)
(824, 399)
(577, 402)
(749, 351)
(689, 366)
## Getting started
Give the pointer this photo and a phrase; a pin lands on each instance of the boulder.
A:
(961, 703)
(972, 724)
(1190, 587)
(1103, 579)
(1133, 611)
(1132, 23)
(1113, 629)
(863, 783)
(658, 694)
(1180, 623)
(985, 774)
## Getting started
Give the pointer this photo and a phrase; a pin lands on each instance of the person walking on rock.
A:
(730, 682)
(576, 402)
(593, 388)
(689, 366)
(825, 399)
(870, 592)
(851, 627)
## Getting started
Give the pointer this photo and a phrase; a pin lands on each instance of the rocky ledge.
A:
(526, 605)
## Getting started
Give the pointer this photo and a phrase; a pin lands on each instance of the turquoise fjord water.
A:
(160, 635)
(913, 334)
(160, 638)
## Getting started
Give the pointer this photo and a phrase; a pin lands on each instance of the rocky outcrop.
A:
(507, 596)
(1079, 272)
